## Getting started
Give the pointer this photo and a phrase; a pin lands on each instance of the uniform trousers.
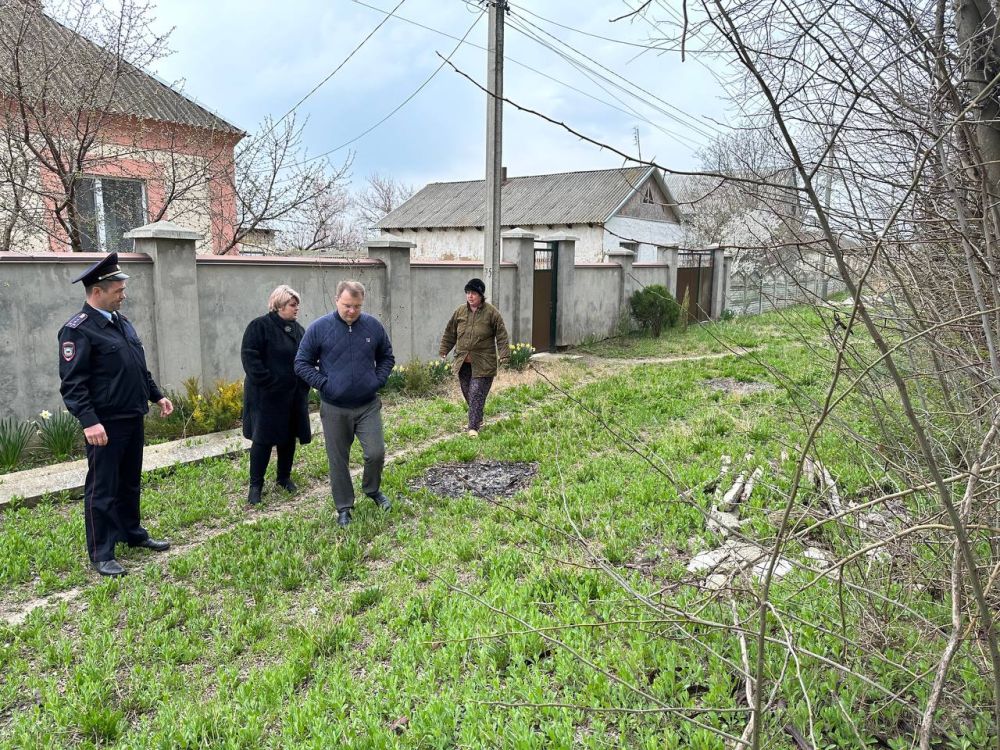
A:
(340, 426)
(111, 492)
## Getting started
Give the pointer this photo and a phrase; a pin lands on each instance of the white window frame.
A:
(102, 239)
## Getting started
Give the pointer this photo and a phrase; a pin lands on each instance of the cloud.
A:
(245, 60)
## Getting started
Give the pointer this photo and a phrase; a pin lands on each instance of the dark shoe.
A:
(343, 518)
(381, 500)
(287, 484)
(157, 545)
(110, 568)
(253, 496)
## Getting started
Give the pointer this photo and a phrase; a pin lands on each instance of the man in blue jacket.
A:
(347, 357)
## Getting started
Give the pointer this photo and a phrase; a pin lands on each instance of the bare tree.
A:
(325, 222)
(277, 186)
(64, 86)
(380, 195)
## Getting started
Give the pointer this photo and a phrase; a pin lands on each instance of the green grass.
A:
(291, 633)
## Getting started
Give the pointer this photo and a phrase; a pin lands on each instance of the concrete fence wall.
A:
(191, 310)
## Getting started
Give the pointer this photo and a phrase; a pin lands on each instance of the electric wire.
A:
(399, 106)
(319, 85)
(692, 144)
(689, 142)
(692, 122)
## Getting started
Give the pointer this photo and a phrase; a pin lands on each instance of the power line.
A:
(691, 122)
(510, 59)
(319, 85)
(698, 125)
(624, 42)
(399, 106)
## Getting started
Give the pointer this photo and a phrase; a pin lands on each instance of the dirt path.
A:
(317, 494)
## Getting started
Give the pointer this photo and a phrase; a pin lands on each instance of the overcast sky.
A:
(245, 59)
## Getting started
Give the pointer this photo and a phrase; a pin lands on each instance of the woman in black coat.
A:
(275, 399)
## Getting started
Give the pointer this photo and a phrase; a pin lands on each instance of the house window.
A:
(106, 208)
(647, 195)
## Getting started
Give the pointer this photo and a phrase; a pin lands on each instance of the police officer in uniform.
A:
(106, 385)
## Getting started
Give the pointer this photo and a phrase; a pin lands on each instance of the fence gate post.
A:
(566, 324)
(518, 246)
(176, 315)
(718, 301)
(670, 254)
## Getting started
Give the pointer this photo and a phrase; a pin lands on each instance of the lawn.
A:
(561, 617)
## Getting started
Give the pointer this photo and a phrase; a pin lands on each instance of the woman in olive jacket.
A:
(477, 333)
(275, 399)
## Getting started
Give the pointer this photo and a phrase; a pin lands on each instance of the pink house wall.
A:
(149, 135)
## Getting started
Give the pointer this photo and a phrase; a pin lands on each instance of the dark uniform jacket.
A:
(355, 359)
(478, 335)
(275, 399)
(103, 369)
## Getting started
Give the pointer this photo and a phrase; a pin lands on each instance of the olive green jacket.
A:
(480, 334)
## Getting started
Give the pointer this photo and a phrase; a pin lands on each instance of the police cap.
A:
(106, 269)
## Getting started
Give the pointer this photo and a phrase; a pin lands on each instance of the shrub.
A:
(14, 438)
(417, 378)
(655, 308)
(219, 409)
(197, 413)
(519, 356)
(60, 434)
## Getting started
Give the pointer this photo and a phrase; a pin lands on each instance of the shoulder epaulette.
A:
(76, 320)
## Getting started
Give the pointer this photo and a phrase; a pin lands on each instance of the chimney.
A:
(503, 175)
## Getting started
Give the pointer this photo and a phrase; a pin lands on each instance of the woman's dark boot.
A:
(253, 497)
(286, 484)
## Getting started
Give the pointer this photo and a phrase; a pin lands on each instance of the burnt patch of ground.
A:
(731, 385)
(488, 480)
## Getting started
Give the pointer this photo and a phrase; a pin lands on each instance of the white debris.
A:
(821, 556)
(720, 522)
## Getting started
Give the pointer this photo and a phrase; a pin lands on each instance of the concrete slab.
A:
(21, 488)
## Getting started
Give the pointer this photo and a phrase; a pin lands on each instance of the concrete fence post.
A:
(719, 281)
(626, 284)
(398, 317)
(518, 246)
(176, 315)
(670, 256)
(565, 246)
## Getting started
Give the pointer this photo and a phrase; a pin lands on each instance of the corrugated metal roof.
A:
(565, 198)
(64, 68)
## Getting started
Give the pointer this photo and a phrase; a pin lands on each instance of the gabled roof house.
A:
(606, 209)
(148, 152)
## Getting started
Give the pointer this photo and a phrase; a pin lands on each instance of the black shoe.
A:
(343, 518)
(287, 484)
(110, 568)
(157, 545)
(253, 496)
(381, 500)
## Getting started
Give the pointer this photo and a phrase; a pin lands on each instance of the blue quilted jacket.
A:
(346, 363)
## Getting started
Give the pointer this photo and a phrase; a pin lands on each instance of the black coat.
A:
(275, 399)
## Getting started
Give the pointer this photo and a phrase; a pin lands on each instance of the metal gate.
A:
(694, 279)
(543, 304)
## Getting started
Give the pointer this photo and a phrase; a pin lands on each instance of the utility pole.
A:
(494, 151)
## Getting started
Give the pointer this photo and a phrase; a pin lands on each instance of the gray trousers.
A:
(340, 427)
